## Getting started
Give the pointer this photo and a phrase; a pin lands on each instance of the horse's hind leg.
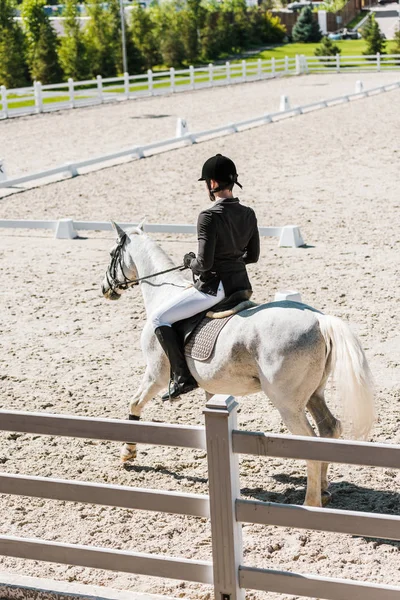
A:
(147, 390)
(328, 426)
(298, 424)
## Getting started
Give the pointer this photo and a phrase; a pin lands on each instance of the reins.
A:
(127, 283)
(133, 281)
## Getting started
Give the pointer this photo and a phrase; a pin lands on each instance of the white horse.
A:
(285, 349)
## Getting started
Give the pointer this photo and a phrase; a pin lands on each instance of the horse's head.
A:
(121, 273)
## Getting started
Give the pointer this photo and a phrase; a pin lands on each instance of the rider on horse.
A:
(228, 239)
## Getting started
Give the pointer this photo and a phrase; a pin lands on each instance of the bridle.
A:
(116, 259)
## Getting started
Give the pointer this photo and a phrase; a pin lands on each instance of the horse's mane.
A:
(160, 259)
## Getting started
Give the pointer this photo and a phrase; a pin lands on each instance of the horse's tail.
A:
(351, 373)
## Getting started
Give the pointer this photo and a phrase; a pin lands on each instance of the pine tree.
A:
(306, 28)
(327, 48)
(373, 36)
(42, 43)
(72, 50)
(13, 66)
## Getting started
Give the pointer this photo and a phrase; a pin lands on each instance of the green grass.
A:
(347, 47)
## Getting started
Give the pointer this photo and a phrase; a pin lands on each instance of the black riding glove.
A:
(187, 259)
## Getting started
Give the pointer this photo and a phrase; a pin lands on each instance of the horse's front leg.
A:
(149, 387)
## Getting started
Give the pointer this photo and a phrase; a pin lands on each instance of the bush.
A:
(327, 48)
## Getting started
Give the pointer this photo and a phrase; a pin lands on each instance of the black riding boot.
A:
(182, 381)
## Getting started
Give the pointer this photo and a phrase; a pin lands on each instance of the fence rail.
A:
(226, 510)
(73, 94)
(289, 235)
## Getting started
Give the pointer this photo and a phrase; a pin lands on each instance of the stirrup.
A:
(175, 390)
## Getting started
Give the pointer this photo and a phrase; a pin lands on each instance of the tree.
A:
(142, 32)
(396, 39)
(42, 42)
(373, 36)
(13, 66)
(306, 28)
(211, 34)
(72, 50)
(327, 48)
(167, 19)
(100, 39)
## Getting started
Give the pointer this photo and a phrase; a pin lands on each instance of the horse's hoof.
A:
(325, 498)
(127, 453)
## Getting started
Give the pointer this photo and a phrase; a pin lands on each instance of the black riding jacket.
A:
(228, 239)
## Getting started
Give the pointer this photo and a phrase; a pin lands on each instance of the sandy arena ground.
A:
(32, 144)
(64, 349)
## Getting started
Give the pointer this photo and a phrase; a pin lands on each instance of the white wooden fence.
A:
(223, 505)
(72, 94)
(289, 235)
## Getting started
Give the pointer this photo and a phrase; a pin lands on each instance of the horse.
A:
(285, 349)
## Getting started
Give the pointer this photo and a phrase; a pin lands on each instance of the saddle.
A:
(200, 332)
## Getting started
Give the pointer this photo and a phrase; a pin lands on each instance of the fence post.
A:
(286, 65)
(4, 101)
(244, 69)
(259, 68)
(100, 88)
(378, 61)
(126, 84)
(338, 63)
(273, 67)
(210, 74)
(172, 79)
(224, 488)
(228, 72)
(71, 93)
(298, 65)
(3, 172)
(150, 81)
(37, 87)
(191, 74)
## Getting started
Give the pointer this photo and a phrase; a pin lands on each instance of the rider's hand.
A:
(187, 259)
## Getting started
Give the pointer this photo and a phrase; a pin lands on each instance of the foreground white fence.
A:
(73, 94)
(289, 235)
(223, 505)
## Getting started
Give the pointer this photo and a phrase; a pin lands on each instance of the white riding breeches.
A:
(190, 302)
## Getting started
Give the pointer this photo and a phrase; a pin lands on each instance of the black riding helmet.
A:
(221, 169)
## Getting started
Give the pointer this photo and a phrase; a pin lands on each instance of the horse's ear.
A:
(141, 225)
(120, 232)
